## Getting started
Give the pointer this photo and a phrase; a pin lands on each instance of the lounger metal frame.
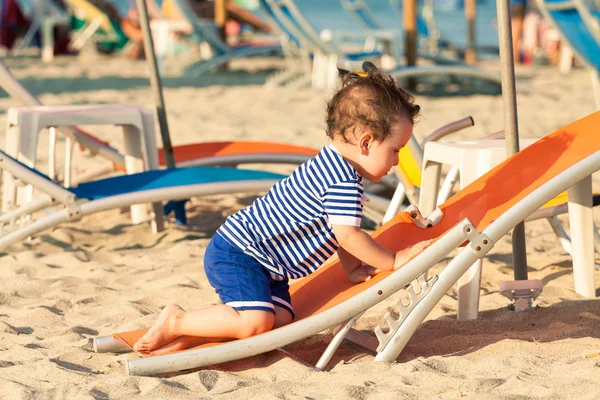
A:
(70, 208)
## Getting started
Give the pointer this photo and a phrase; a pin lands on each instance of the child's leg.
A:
(282, 317)
(218, 321)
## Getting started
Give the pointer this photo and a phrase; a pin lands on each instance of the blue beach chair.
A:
(70, 204)
(328, 57)
(579, 27)
(223, 52)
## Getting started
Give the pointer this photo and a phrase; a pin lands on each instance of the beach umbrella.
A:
(156, 84)
(511, 128)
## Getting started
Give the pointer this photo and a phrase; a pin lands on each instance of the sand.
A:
(103, 275)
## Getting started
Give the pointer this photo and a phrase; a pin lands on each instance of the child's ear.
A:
(365, 143)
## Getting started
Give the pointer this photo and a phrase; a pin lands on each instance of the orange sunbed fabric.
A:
(212, 149)
(481, 202)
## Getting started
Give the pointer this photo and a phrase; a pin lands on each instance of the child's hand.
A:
(405, 255)
(362, 273)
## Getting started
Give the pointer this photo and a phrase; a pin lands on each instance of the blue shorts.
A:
(242, 282)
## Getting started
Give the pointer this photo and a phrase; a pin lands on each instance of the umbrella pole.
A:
(178, 207)
(410, 36)
(511, 128)
(470, 14)
(156, 84)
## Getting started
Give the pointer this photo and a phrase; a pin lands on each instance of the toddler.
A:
(300, 223)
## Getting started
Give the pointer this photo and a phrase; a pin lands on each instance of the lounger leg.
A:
(47, 40)
(395, 204)
(68, 173)
(559, 230)
(447, 186)
(582, 234)
(134, 163)
(335, 343)
(23, 149)
(429, 186)
(52, 153)
(9, 190)
(468, 292)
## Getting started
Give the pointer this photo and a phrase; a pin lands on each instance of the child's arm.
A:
(357, 271)
(363, 247)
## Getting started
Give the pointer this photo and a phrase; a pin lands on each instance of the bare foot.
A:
(161, 332)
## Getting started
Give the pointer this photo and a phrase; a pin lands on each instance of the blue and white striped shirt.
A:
(289, 230)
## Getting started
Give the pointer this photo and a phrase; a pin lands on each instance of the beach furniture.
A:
(429, 36)
(153, 186)
(225, 153)
(327, 57)
(580, 29)
(478, 216)
(324, 53)
(93, 22)
(471, 159)
(45, 16)
(205, 31)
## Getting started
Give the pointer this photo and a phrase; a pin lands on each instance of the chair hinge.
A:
(480, 243)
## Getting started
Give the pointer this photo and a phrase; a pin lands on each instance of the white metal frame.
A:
(70, 208)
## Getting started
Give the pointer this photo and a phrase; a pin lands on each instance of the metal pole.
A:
(511, 128)
(470, 14)
(410, 36)
(221, 22)
(156, 84)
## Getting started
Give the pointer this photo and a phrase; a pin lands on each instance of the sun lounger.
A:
(70, 204)
(479, 215)
(46, 16)
(223, 52)
(327, 57)
(579, 28)
(205, 154)
(95, 23)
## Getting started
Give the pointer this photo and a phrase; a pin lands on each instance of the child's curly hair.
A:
(373, 102)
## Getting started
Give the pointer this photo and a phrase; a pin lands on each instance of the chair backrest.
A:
(578, 27)
(205, 29)
(289, 15)
(361, 13)
(272, 18)
(87, 11)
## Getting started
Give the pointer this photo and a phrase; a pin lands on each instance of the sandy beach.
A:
(103, 275)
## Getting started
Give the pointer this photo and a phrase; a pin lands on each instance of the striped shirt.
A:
(289, 230)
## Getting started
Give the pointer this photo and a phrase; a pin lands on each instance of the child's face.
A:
(378, 158)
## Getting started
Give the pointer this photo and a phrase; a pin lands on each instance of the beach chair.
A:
(477, 216)
(324, 53)
(579, 28)
(360, 11)
(205, 31)
(94, 23)
(327, 57)
(46, 15)
(201, 154)
(71, 204)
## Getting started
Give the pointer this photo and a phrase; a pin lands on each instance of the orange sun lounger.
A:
(477, 216)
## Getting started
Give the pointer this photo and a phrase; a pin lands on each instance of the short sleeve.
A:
(343, 203)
